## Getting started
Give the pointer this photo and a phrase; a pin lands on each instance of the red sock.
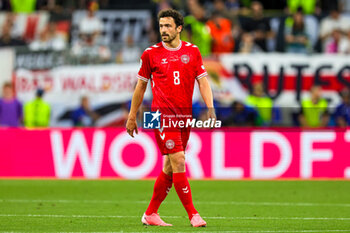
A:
(184, 192)
(160, 191)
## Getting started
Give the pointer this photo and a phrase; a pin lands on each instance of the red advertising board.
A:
(225, 154)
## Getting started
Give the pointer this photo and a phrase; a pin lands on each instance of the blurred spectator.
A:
(6, 38)
(258, 26)
(37, 111)
(223, 11)
(248, 45)
(262, 103)
(296, 37)
(195, 29)
(332, 44)
(342, 112)
(344, 45)
(10, 107)
(91, 24)
(129, 52)
(332, 22)
(49, 39)
(241, 115)
(88, 50)
(308, 6)
(23, 6)
(221, 32)
(314, 112)
(84, 115)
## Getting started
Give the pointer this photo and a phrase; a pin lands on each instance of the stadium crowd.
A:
(215, 26)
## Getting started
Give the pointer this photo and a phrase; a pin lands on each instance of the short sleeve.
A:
(200, 69)
(145, 68)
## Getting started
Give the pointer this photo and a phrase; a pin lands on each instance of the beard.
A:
(169, 38)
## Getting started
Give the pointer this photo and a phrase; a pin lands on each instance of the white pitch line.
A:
(278, 203)
(256, 231)
(275, 231)
(123, 216)
(71, 201)
(197, 202)
(248, 231)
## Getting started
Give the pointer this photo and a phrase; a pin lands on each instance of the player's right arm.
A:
(143, 75)
(131, 124)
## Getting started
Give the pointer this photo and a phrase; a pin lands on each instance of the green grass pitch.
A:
(227, 206)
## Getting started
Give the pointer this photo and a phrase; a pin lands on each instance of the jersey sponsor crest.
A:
(170, 144)
(185, 58)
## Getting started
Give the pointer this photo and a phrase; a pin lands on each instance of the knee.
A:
(178, 163)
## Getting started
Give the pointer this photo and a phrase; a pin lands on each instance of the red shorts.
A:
(172, 140)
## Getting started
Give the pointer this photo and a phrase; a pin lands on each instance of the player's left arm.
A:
(207, 95)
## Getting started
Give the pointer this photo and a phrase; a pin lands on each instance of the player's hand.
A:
(131, 126)
(211, 114)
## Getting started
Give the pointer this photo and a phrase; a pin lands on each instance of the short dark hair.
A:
(177, 16)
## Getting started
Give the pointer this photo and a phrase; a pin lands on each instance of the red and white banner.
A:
(104, 82)
(225, 154)
(288, 77)
(65, 86)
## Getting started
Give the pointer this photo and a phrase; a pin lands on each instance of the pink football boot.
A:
(197, 221)
(154, 220)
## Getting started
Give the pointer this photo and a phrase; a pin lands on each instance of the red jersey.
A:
(173, 72)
